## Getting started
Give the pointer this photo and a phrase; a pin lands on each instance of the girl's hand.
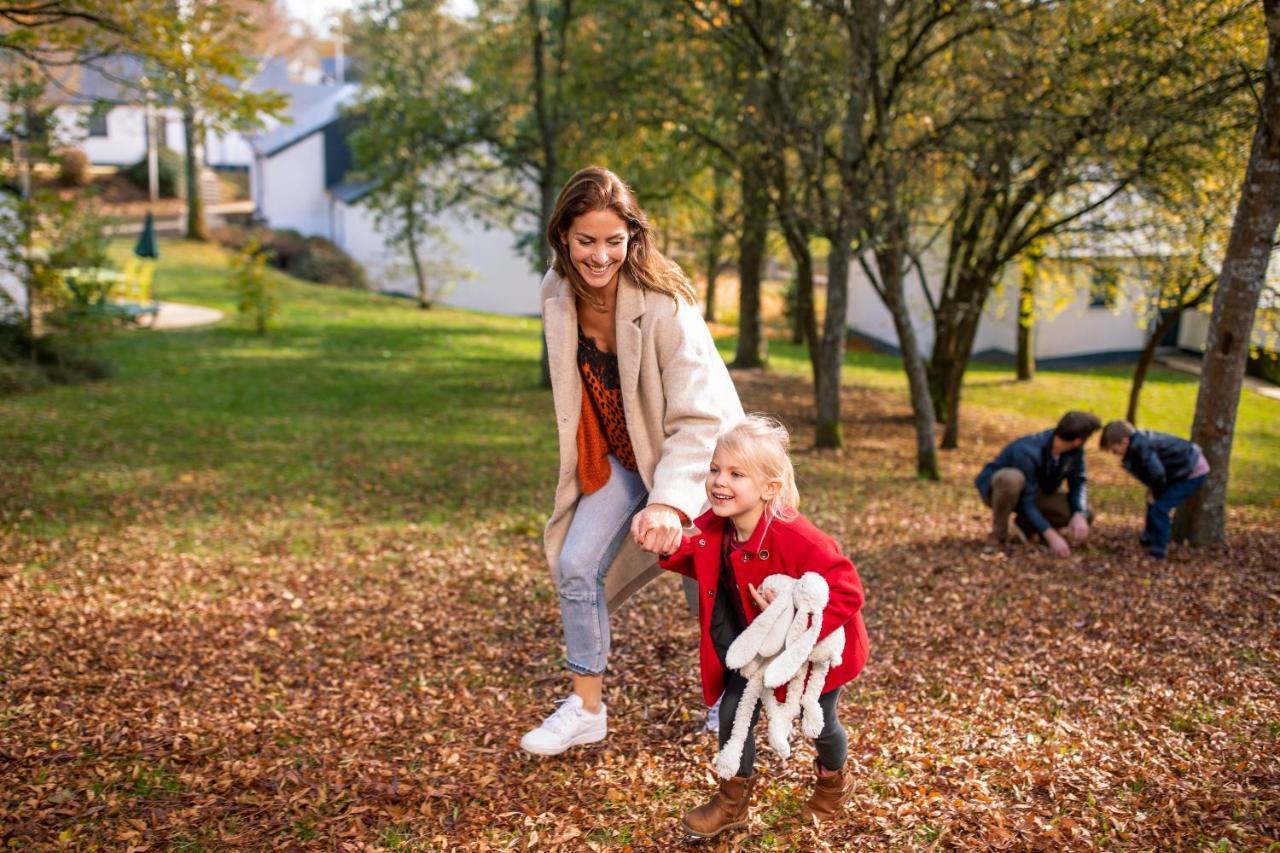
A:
(657, 529)
(763, 597)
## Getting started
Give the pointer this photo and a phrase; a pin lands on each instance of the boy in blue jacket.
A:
(1171, 468)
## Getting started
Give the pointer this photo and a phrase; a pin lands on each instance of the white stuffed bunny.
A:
(780, 647)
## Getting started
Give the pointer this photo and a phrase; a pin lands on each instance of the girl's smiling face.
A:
(734, 493)
(598, 246)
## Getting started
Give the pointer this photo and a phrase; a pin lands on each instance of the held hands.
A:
(1150, 498)
(657, 529)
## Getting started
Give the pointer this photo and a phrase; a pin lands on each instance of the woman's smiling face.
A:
(598, 246)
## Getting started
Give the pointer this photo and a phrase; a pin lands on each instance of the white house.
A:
(1083, 317)
(300, 179)
(13, 296)
(106, 114)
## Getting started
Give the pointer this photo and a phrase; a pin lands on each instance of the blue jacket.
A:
(1033, 456)
(1159, 460)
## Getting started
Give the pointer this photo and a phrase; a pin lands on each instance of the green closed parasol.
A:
(146, 246)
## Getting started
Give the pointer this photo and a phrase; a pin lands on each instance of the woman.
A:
(640, 395)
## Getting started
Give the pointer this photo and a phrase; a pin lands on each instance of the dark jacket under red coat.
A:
(775, 547)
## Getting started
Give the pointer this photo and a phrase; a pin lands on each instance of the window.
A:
(1103, 288)
(98, 120)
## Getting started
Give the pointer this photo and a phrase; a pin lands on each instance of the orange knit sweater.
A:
(602, 428)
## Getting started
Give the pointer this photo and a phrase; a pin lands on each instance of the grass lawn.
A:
(289, 591)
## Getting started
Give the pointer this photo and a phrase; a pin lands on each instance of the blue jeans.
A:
(1156, 533)
(600, 522)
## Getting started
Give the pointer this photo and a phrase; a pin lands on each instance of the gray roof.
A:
(325, 108)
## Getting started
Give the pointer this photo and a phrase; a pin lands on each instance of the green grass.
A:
(356, 404)
(361, 409)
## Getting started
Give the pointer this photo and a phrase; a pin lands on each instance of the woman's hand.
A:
(657, 529)
(763, 597)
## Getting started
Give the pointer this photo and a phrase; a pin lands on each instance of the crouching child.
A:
(781, 627)
(1171, 468)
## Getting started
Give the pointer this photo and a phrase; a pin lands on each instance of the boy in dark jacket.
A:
(1025, 479)
(1172, 469)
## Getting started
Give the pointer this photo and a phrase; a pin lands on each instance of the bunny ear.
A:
(730, 757)
(777, 636)
(749, 642)
(752, 641)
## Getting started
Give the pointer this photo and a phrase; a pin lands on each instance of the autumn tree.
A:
(1081, 102)
(410, 139)
(193, 52)
(1202, 520)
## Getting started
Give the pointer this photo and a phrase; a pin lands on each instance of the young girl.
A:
(752, 531)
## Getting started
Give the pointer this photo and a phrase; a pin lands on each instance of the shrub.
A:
(308, 258)
(73, 168)
(28, 364)
(170, 172)
(256, 290)
(323, 262)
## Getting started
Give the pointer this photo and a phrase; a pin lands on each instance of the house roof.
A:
(303, 120)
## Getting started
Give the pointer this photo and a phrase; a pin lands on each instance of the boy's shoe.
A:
(729, 809)
(829, 793)
(1157, 555)
(570, 725)
(1144, 540)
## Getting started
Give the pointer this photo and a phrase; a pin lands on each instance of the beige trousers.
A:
(1006, 489)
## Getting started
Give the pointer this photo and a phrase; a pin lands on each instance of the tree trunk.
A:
(891, 262)
(191, 136)
(957, 326)
(424, 295)
(830, 358)
(1026, 322)
(1202, 520)
(714, 241)
(1167, 322)
(751, 252)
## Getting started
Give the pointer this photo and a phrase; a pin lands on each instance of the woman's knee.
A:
(579, 573)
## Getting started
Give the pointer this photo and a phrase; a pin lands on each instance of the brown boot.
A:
(728, 809)
(829, 794)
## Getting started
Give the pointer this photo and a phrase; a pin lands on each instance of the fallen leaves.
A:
(368, 691)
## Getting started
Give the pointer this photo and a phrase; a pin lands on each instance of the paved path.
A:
(176, 315)
(1186, 364)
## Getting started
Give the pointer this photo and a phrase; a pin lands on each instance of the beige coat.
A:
(677, 396)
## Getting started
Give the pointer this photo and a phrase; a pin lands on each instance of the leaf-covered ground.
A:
(241, 620)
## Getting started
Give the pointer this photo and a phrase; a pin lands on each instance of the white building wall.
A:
(486, 272)
(13, 296)
(1077, 330)
(289, 189)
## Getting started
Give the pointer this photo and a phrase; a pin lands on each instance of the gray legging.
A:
(832, 743)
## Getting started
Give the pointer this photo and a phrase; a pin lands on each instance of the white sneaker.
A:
(570, 725)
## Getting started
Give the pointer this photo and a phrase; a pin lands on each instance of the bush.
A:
(308, 258)
(170, 172)
(324, 263)
(28, 364)
(256, 291)
(73, 168)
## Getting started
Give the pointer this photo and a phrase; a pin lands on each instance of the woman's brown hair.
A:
(596, 188)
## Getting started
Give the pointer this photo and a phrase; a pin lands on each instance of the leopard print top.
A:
(603, 388)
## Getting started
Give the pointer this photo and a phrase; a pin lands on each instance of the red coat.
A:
(777, 547)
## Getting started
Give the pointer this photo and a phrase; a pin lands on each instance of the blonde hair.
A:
(596, 188)
(761, 443)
